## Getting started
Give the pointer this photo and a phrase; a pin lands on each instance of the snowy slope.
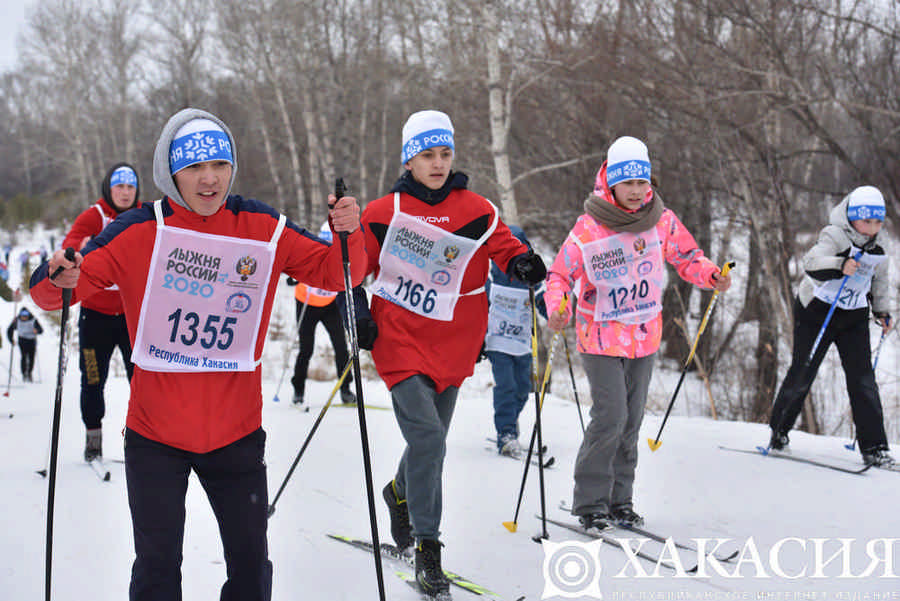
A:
(688, 488)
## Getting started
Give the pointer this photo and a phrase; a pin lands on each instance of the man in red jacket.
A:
(101, 321)
(198, 271)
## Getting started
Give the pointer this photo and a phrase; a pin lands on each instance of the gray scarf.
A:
(619, 220)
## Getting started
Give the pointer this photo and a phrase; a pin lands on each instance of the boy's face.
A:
(630, 194)
(203, 185)
(431, 167)
(867, 227)
(122, 195)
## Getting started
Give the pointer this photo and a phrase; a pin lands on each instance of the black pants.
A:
(234, 478)
(330, 316)
(99, 334)
(849, 331)
(27, 347)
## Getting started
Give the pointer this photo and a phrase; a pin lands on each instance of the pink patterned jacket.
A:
(614, 338)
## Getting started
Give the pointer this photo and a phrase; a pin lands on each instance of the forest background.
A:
(759, 115)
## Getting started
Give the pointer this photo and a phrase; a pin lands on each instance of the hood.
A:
(161, 176)
(104, 187)
(838, 218)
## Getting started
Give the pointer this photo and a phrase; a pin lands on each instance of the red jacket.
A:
(198, 412)
(88, 225)
(408, 344)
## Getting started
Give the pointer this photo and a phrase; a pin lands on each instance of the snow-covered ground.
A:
(786, 518)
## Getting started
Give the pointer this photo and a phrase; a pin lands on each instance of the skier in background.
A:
(26, 327)
(846, 258)
(314, 306)
(101, 321)
(7, 293)
(507, 346)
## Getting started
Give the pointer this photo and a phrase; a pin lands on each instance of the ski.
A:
(99, 468)
(606, 538)
(549, 461)
(391, 552)
(894, 467)
(411, 581)
(763, 452)
(545, 448)
(662, 539)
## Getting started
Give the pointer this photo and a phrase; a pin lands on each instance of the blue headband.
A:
(123, 175)
(425, 140)
(627, 170)
(199, 147)
(866, 212)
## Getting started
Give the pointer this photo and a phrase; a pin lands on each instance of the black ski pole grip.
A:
(340, 190)
(70, 256)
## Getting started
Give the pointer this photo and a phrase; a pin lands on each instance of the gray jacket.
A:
(825, 259)
(161, 175)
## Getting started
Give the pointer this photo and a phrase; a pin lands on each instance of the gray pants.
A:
(604, 469)
(424, 419)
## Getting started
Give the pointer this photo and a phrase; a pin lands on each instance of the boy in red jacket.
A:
(429, 244)
(101, 321)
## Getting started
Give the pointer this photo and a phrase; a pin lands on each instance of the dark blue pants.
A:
(27, 346)
(234, 478)
(98, 336)
(512, 385)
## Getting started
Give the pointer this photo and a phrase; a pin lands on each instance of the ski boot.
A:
(93, 444)
(401, 529)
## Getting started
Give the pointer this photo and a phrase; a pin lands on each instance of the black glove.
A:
(290, 281)
(366, 332)
(884, 318)
(528, 268)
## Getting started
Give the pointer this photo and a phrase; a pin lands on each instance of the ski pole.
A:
(831, 309)
(57, 410)
(11, 347)
(878, 348)
(574, 387)
(284, 371)
(539, 401)
(655, 443)
(306, 442)
(340, 191)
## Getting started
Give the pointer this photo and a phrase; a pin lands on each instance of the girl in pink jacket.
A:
(614, 258)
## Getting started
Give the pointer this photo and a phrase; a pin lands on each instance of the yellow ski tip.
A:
(654, 444)
(511, 526)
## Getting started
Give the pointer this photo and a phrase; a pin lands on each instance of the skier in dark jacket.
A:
(26, 326)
